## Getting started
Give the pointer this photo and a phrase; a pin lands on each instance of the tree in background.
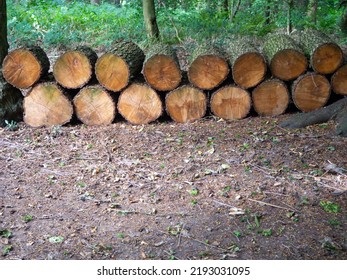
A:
(95, 2)
(3, 31)
(150, 18)
(312, 11)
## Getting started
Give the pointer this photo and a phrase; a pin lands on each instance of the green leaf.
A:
(5, 233)
(7, 249)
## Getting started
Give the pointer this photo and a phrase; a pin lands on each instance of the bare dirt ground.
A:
(205, 190)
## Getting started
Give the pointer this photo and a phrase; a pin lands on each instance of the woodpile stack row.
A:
(229, 77)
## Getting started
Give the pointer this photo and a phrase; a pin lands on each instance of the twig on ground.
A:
(273, 205)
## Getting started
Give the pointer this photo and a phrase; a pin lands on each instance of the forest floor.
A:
(211, 189)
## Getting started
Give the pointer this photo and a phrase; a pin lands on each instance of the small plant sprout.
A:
(27, 218)
(237, 233)
(266, 232)
(330, 207)
(194, 192)
(11, 125)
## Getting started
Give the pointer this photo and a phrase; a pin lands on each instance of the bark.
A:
(150, 18)
(289, 16)
(3, 31)
(336, 111)
(312, 11)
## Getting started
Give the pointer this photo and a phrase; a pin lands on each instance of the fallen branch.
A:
(273, 205)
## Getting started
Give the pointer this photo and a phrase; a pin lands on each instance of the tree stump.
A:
(75, 68)
(23, 67)
(117, 67)
(94, 106)
(310, 91)
(161, 68)
(47, 105)
(339, 81)
(186, 104)
(231, 103)
(287, 60)
(140, 104)
(271, 98)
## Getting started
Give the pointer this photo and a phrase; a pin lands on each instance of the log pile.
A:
(227, 78)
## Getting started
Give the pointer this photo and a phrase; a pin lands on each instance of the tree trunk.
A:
(208, 67)
(23, 67)
(46, 105)
(3, 31)
(325, 55)
(161, 68)
(140, 104)
(95, 2)
(117, 67)
(289, 16)
(268, 13)
(271, 98)
(150, 18)
(312, 11)
(231, 103)
(235, 9)
(287, 60)
(336, 111)
(11, 99)
(94, 106)
(310, 92)
(186, 104)
(339, 81)
(75, 68)
(118, 3)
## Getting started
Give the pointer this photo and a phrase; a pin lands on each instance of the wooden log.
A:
(231, 103)
(325, 55)
(140, 104)
(23, 67)
(286, 58)
(186, 104)
(161, 68)
(94, 106)
(117, 67)
(247, 63)
(271, 98)
(208, 67)
(46, 105)
(11, 101)
(310, 91)
(339, 81)
(75, 68)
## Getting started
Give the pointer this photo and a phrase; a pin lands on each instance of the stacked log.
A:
(339, 81)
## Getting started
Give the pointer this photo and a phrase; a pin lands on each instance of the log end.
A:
(327, 58)
(339, 81)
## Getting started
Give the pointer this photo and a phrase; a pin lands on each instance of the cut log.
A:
(94, 106)
(161, 68)
(117, 67)
(231, 103)
(325, 55)
(247, 63)
(186, 104)
(339, 81)
(336, 111)
(208, 67)
(75, 68)
(286, 59)
(310, 91)
(11, 101)
(23, 67)
(140, 104)
(47, 105)
(271, 98)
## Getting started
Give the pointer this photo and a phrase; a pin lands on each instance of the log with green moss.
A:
(325, 55)
(286, 58)
(75, 68)
(208, 67)
(161, 68)
(23, 67)
(119, 65)
(11, 100)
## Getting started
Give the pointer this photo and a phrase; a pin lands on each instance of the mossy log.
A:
(94, 106)
(336, 111)
(118, 66)
(11, 102)
(324, 54)
(161, 68)
(271, 98)
(186, 104)
(231, 103)
(46, 105)
(23, 67)
(286, 58)
(248, 65)
(208, 67)
(339, 81)
(310, 91)
(140, 104)
(75, 68)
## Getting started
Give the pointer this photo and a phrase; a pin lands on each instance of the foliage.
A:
(330, 207)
